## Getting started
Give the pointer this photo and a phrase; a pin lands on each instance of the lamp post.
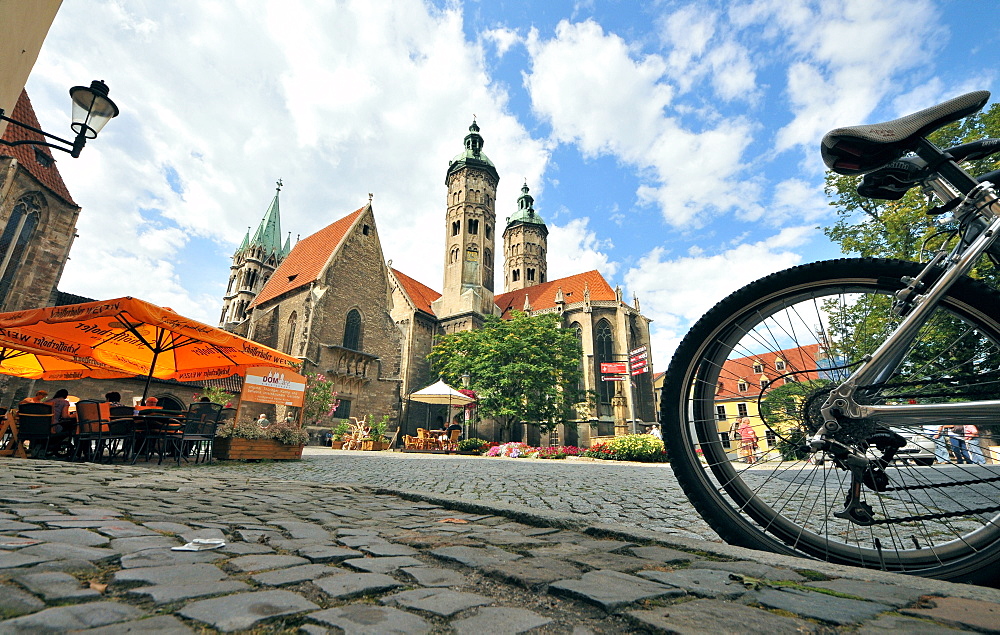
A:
(92, 108)
(465, 409)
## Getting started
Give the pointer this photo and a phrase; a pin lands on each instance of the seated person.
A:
(113, 398)
(38, 398)
(455, 425)
(149, 405)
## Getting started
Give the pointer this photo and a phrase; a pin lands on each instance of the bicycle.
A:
(877, 354)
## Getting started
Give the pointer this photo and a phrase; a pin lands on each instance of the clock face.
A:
(471, 255)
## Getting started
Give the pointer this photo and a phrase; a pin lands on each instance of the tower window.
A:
(473, 226)
(531, 274)
(454, 254)
(15, 238)
(541, 277)
(489, 231)
(456, 227)
(352, 330)
(365, 229)
(515, 275)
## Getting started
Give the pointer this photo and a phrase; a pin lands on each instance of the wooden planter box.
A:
(336, 445)
(247, 449)
(371, 444)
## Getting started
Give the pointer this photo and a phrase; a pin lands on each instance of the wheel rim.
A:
(793, 501)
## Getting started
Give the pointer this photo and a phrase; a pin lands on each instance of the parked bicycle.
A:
(876, 355)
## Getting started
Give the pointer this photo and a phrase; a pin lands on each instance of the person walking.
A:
(958, 444)
(941, 443)
(748, 440)
(972, 445)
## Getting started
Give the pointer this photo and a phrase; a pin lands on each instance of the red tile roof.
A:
(420, 294)
(25, 154)
(543, 296)
(802, 358)
(307, 259)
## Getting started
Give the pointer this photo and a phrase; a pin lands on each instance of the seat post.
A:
(943, 163)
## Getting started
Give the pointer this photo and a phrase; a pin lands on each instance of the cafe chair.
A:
(34, 424)
(200, 425)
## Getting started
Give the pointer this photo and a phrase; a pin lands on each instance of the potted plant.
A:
(376, 439)
(339, 432)
(244, 439)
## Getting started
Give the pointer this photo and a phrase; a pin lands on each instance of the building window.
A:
(720, 413)
(758, 368)
(456, 227)
(352, 331)
(290, 335)
(726, 441)
(515, 275)
(742, 385)
(43, 159)
(531, 274)
(14, 241)
(779, 364)
(343, 410)
(604, 352)
(488, 257)
(473, 226)
(764, 383)
(741, 408)
(541, 277)
(454, 254)
(489, 231)
(770, 436)
(365, 229)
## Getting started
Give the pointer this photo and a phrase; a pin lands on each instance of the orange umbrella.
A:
(142, 339)
(31, 365)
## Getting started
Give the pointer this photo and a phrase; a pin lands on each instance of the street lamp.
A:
(91, 110)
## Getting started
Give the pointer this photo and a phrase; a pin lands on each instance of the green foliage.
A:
(320, 399)
(340, 430)
(378, 428)
(898, 229)
(472, 445)
(215, 395)
(631, 447)
(782, 411)
(524, 370)
(247, 428)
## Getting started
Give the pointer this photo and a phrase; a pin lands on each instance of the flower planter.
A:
(371, 444)
(250, 449)
(336, 445)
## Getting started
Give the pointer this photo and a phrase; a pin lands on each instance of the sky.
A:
(671, 145)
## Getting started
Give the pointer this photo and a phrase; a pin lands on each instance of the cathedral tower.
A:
(253, 263)
(525, 245)
(470, 227)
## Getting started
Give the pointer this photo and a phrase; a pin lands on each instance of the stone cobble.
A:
(312, 557)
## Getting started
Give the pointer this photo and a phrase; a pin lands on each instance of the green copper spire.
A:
(473, 155)
(268, 234)
(525, 209)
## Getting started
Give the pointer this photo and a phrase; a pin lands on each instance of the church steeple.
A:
(253, 263)
(525, 246)
(470, 237)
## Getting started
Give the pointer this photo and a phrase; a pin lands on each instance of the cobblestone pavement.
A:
(90, 548)
(634, 494)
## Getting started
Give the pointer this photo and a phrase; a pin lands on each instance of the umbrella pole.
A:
(149, 377)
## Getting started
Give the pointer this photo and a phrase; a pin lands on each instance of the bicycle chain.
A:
(939, 485)
(938, 516)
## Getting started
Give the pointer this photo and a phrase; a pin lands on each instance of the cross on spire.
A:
(279, 184)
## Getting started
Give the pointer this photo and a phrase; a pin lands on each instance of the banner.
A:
(266, 384)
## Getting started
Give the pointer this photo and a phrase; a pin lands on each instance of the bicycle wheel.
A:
(771, 351)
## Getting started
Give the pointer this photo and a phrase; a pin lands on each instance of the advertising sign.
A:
(612, 378)
(264, 384)
(613, 368)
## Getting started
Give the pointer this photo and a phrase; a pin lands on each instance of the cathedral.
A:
(334, 301)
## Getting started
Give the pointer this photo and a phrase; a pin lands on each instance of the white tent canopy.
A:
(440, 393)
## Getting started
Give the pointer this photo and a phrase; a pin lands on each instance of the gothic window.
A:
(578, 330)
(515, 275)
(456, 227)
(488, 257)
(222, 318)
(531, 275)
(489, 231)
(541, 277)
(290, 336)
(473, 226)
(20, 227)
(352, 331)
(603, 353)
(231, 280)
(454, 255)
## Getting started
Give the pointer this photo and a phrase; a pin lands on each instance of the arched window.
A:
(578, 330)
(488, 257)
(352, 331)
(456, 227)
(20, 227)
(604, 345)
(454, 254)
(473, 226)
(293, 320)
(531, 274)
(515, 275)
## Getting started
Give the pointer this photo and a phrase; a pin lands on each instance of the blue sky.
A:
(671, 145)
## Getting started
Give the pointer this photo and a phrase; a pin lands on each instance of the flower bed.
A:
(644, 448)
(517, 450)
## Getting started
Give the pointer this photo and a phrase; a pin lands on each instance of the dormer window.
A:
(779, 364)
(758, 367)
(43, 159)
(742, 385)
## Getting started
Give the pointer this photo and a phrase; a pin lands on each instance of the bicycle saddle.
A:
(860, 149)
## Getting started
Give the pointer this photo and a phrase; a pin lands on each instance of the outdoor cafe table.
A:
(153, 425)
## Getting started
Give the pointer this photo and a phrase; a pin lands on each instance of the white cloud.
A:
(575, 247)
(614, 103)
(503, 39)
(676, 292)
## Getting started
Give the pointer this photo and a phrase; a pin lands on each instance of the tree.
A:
(783, 412)
(523, 370)
(320, 398)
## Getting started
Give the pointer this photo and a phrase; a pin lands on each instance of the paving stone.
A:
(66, 551)
(170, 593)
(662, 554)
(475, 556)
(16, 542)
(263, 562)
(347, 585)
(245, 548)
(898, 624)
(292, 575)
(16, 525)
(167, 527)
(124, 529)
(243, 610)
(612, 590)
(706, 583)
(361, 540)
(366, 619)
(294, 544)
(715, 616)
(389, 549)
(254, 535)
(434, 576)
(533, 573)
(72, 566)
(612, 561)
(161, 625)
(327, 553)
(508, 539)
(820, 606)
(382, 565)
(499, 621)
(560, 550)
(167, 557)
(961, 612)
(443, 602)
(173, 574)
(72, 617)
(891, 594)
(80, 537)
(54, 585)
(752, 569)
(191, 534)
(142, 543)
(299, 529)
(14, 559)
(14, 601)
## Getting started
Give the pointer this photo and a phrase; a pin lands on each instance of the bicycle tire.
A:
(784, 503)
